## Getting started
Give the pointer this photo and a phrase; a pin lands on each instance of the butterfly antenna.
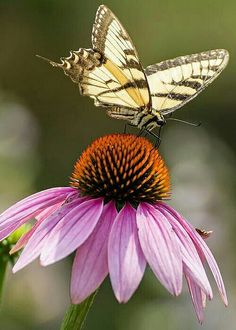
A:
(185, 122)
(55, 64)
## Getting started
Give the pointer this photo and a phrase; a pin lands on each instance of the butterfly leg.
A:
(158, 141)
(151, 133)
(143, 130)
(156, 136)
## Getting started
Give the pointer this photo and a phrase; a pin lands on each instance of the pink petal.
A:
(160, 247)
(202, 248)
(41, 217)
(48, 211)
(72, 231)
(193, 265)
(126, 261)
(198, 298)
(37, 240)
(90, 264)
(52, 192)
(8, 230)
(201, 245)
(26, 209)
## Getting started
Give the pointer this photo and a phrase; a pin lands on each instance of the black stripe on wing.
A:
(175, 82)
(111, 40)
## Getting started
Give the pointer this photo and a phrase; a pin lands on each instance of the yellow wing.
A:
(175, 82)
(119, 79)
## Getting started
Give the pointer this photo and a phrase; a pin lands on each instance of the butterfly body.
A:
(146, 119)
(113, 76)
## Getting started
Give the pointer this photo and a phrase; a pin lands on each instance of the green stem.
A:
(3, 268)
(76, 314)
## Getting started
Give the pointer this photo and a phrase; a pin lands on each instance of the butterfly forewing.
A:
(120, 79)
(175, 82)
(105, 88)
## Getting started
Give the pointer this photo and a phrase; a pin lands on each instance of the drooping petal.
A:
(193, 265)
(48, 211)
(40, 196)
(199, 242)
(40, 218)
(18, 214)
(34, 246)
(126, 261)
(160, 247)
(72, 231)
(5, 232)
(198, 298)
(203, 248)
(90, 265)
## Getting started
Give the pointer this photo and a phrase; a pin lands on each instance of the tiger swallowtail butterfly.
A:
(113, 76)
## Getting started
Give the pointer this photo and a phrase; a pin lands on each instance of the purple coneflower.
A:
(114, 217)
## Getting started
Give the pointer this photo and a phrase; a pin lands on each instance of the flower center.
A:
(122, 167)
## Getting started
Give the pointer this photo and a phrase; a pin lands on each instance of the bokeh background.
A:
(45, 124)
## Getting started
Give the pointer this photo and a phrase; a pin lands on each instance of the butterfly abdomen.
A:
(122, 113)
(142, 120)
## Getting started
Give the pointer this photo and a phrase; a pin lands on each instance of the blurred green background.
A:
(45, 124)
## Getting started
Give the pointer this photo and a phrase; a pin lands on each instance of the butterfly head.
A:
(159, 118)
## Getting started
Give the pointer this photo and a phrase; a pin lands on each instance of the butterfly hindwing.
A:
(175, 82)
(119, 80)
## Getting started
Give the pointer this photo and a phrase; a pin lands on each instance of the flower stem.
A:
(76, 314)
(3, 268)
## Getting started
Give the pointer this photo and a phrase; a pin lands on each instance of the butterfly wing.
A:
(119, 80)
(175, 82)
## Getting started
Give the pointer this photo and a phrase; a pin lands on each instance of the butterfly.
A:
(113, 76)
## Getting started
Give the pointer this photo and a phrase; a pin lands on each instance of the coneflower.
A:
(114, 217)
